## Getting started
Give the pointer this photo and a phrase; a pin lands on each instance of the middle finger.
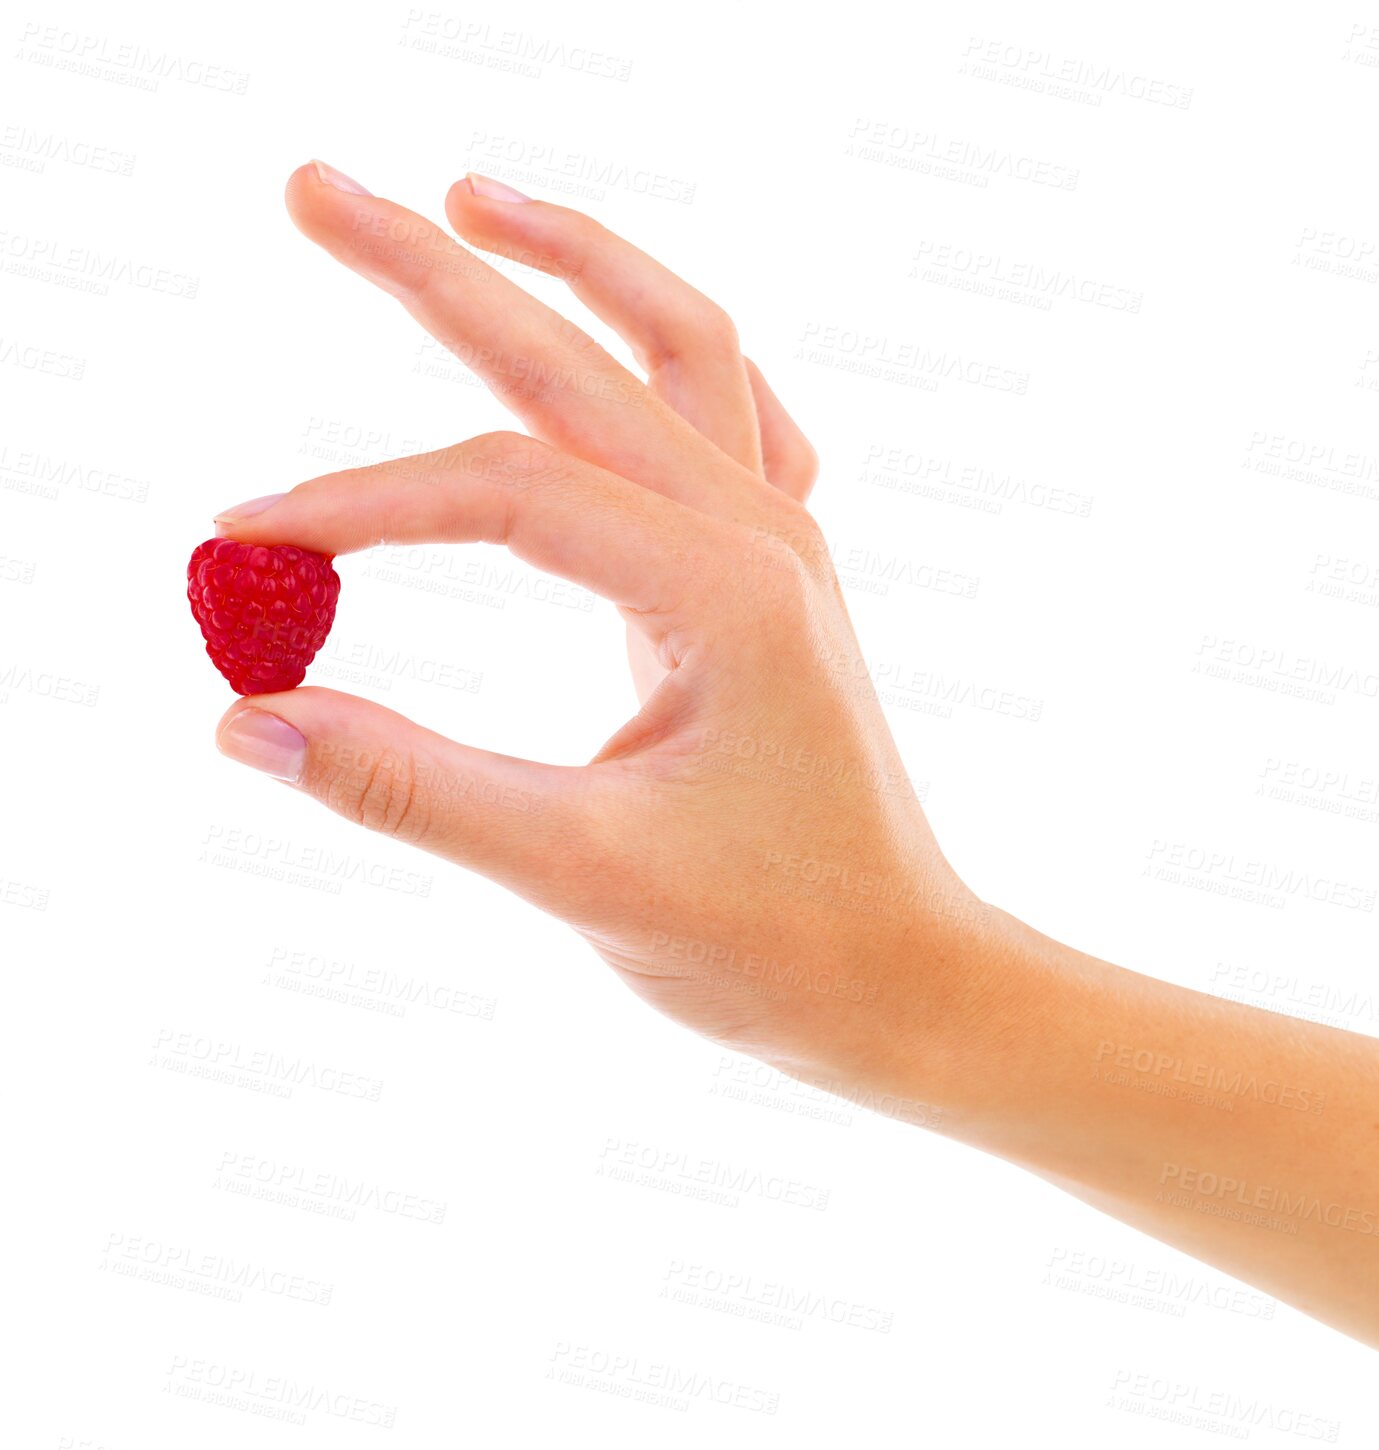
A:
(686, 344)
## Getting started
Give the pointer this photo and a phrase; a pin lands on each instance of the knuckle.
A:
(503, 443)
(800, 531)
(713, 327)
(805, 466)
(776, 560)
(694, 324)
(786, 596)
(516, 460)
(790, 555)
(718, 328)
(387, 798)
(514, 466)
(585, 238)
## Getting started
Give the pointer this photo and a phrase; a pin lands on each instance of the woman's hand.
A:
(747, 851)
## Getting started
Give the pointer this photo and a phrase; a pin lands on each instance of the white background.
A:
(1162, 515)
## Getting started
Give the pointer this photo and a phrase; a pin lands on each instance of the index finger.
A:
(671, 567)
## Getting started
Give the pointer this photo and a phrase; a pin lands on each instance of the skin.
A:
(746, 852)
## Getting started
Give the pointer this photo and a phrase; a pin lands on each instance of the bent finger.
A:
(669, 565)
(789, 458)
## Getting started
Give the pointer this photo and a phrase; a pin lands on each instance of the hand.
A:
(746, 852)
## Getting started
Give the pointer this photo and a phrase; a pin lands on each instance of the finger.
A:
(555, 378)
(517, 821)
(667, 565)
(789, 458)
(686, 344)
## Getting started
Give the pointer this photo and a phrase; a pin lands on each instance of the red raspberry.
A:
(264, 610)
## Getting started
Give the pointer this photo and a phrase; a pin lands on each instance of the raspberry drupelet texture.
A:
(264, 610)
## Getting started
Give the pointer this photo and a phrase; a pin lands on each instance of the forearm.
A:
(1247, 1139)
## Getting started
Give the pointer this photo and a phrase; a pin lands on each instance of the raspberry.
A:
(264, 610)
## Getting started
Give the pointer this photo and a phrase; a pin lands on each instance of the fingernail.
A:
(266, 742)
(493, 190)
(231, 516)
(339, 180)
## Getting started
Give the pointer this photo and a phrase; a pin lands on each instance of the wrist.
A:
(978, 1021)
(932, 1013)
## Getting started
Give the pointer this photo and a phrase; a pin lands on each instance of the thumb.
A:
(514, 820)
